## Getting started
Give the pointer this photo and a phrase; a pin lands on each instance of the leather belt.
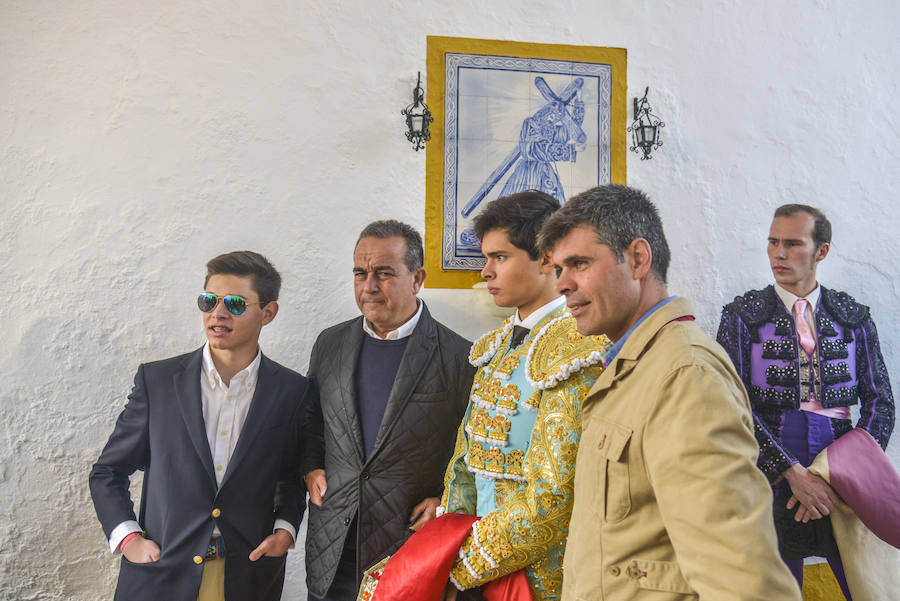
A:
(215, 549)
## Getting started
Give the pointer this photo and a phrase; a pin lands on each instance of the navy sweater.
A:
(376, 369)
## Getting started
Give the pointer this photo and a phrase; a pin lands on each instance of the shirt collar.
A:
(538, 314)
(789, 298)
(246, 375)
(403, 331)
(617, 346)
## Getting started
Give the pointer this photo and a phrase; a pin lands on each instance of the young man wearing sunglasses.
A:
(215, 433)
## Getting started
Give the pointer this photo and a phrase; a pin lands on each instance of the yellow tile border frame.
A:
(437, 47)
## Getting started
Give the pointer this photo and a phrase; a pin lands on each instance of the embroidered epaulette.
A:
(844, 309)
(755, 307)
(484, 349)
(558, 351)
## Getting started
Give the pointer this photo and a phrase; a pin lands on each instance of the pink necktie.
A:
(809, 345)
(803, 332)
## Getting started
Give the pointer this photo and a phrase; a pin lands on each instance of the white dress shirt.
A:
(789, 298)
(225, 410)
(402, 332)
(538, 314)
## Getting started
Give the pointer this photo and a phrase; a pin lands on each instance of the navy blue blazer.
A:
(161, 432)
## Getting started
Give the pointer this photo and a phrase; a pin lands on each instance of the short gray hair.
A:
(390, 228)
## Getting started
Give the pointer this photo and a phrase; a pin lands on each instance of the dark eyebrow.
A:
(569, 261)
(376, 268)
(574, 258)
(494, 253)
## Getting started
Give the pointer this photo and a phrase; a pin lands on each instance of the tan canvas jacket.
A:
(669, 503)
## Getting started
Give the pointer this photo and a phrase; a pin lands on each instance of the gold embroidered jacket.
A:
(537, 387)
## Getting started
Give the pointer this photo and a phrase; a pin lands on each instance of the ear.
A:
(545, 264)
(822, 251)
(419, 279)
(269, 311)
(640, 257)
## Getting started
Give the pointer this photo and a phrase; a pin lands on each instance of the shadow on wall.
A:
(67, 385)
(295, 571)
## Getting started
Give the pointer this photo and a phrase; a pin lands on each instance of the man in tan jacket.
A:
(669, 504)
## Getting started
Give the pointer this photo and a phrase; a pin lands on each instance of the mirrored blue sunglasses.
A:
(236, 305)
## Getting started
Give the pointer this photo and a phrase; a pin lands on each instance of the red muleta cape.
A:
(420, 569)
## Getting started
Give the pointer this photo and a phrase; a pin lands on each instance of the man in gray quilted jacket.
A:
(392, 386)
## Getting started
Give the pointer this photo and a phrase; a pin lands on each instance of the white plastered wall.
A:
(138, 139)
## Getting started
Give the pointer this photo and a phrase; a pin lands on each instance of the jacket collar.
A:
(640, 339)
(789, 298)
(187, 389)
(350, 345)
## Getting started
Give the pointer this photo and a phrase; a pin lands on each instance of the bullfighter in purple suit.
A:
(806, 354)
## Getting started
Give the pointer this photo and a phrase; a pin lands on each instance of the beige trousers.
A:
(212, 584)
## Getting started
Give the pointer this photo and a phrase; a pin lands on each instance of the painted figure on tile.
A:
(392, 385)
(669, 504)
(552, 134)
(221, 500)
(806, 354)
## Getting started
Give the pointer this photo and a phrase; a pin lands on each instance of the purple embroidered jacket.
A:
(759, 335)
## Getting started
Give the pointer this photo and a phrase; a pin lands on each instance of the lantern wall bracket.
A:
(645, 128)
(418, 117)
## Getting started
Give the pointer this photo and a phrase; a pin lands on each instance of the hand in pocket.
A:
(141, 550)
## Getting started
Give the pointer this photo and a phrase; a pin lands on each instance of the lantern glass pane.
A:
(647, 134)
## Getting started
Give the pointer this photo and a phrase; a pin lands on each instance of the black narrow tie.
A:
(518, 335)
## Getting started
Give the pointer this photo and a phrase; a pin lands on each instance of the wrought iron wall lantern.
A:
(645, 128)
(418, 117)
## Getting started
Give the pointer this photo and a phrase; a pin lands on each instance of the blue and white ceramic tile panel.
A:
(514, 124)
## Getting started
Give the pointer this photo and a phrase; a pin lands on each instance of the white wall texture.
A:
(138, 139)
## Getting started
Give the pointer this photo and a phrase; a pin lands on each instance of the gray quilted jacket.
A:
(411, 450)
